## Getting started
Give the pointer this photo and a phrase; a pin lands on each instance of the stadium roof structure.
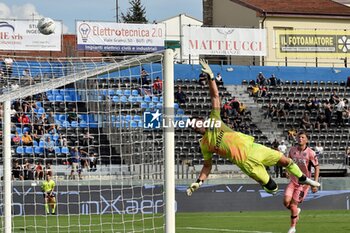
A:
(297, 7)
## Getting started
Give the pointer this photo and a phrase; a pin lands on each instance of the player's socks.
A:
(47, 208)
(294, 169)
(294, 216)
(53, 208)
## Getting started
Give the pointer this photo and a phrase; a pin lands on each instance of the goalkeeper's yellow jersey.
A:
(225, 142)
(48, 186)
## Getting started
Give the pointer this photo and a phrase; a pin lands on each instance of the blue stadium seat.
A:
(28, 150)
(55, 92)
(147, 99)
(115, 99)
(83, 124)
(110, 92)
(159, 106)
(57, 150)
(127, 92)
(38, 150)
(133, 124)
(155, 99)
(65, 124)
(41, 111)
(128, 118)
(64, 150)
(140, 124)
(119, 92)
(74, 124)
(41, 143)
(20, 150)
(123, 99)
(67, 98)
(134, 92)
(137, 118)
(161, 99)
(180, 111)
(59, 98)
(144, 105)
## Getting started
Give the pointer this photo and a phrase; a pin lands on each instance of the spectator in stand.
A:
(334, 98)
(24, 120)
(17, 173)
(16, 140)
(93, 162)
(75, 163)
(39, 172)
(348, 82)
(8, 66)
(319, 149)
(180, 96)
(305, 121)
(63, 140)
(278, 169)
(328, 112)
(87, 139)
(157, 86)
(273, 80)
(262, 91)
(321, 121)
(218, 80)
(73, 116)
(288, 106)
(347, 156)
(340, 108)
(48, 169)
(27, 140)
(308, 104)
(28, 170)
(49, 146)
(255, 90)
(227, 108)
(202, 79)
(292, 133)
(144, 74)
(260, 79)
(235, 106)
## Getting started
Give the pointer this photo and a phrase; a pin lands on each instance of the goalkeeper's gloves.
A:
(206, 69)
(193, 187)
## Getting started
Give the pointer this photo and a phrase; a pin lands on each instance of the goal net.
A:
(82, 122)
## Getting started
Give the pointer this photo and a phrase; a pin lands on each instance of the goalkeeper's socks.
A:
(294, 169)
(47, 208)
(53, 208)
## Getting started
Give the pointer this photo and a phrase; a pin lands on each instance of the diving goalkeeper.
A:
(239, 148)
(48, 187)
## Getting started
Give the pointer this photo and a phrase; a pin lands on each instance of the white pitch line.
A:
(221, 230)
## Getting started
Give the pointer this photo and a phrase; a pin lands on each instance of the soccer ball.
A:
(46, 26)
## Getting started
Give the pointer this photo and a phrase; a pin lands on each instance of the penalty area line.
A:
(221, 230)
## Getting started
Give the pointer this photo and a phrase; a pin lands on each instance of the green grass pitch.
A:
(201, 222)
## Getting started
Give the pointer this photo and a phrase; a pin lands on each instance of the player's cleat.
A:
(292, 230)
(310, 182)
(273, 192)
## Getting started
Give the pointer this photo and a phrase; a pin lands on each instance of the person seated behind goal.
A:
(250, 157)
(48, 187)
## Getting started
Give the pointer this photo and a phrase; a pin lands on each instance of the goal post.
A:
(86, 123)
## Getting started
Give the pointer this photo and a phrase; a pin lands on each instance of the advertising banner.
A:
(82, 199)
(24, 35)
(223, 41)
(306, 43)
(121, 37)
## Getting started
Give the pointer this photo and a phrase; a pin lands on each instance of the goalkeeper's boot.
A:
(292, 230)
(273, 192)
(309, 182)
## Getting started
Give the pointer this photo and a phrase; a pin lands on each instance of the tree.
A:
(136, 13)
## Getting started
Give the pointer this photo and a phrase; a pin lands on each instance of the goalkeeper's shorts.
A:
(49, 195)
(259, 157)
